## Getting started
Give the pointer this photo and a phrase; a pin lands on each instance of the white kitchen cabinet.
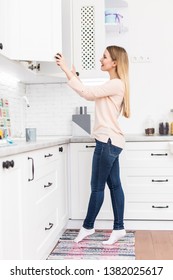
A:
(147, 176)
(7, 25)
(88, 36)
(2, 27)
(33, 202)
(80, 176)
(33, 29)
(91, 34)
(12, 175)
(44, 207)
(147, 180)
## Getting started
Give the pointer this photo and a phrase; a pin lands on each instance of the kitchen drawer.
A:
(141, 180)
(43, 156)
(43, 171)
(149, 197)
(44, 186)
(44, 181)
(149, 210)
(146, 154)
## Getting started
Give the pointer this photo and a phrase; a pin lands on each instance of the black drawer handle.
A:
(50, 226)
(159, 181)
(49, 155)
(1, 46)
(160, 206)
(48, 185)
(161, 155)
(61, 149)
(90, 146)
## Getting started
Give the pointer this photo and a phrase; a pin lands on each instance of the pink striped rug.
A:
(92, 248)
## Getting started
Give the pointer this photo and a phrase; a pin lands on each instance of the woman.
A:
(111, 98)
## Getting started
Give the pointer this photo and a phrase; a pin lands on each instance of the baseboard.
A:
(129, 224)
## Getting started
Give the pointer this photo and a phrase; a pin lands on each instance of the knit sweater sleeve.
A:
(109, 88)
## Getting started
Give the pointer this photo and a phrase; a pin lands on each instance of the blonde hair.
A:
(119, 55)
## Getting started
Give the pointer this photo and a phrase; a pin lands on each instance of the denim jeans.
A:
(105, 169)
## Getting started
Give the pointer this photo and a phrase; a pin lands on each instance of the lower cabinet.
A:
(33, 211)
(147, 176)
(80, 167)
(45, 201)
(12, 173)
(34, 198)
(147, 179)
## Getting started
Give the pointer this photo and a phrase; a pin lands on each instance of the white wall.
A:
(151, 83)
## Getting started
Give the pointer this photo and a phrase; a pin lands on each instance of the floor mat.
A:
(92, 248)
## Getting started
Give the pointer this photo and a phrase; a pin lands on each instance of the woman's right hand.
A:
(60, 61)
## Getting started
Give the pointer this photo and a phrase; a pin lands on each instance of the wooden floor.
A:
(154, 245)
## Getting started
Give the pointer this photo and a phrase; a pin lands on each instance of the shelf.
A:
(116, 3)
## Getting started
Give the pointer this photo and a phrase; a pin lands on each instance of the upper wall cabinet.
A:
(95, 26)
(34, 31)
(31, 30)
(88, 36)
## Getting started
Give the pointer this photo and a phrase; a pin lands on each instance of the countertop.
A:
(21, 146)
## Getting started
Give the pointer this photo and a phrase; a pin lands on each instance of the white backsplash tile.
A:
(51, 108)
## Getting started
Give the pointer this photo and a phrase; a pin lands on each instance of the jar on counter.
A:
(149, 127)
(171, 128)
(163, 128)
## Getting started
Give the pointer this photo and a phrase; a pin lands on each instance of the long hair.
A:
(119, 55)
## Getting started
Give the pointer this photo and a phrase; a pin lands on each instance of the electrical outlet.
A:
(140, 59)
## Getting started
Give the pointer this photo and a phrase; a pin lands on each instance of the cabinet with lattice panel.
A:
(91, 32)
(88, 36)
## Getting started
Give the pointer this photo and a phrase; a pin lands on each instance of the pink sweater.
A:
(108, 99)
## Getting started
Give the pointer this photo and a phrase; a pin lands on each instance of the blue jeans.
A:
(105, 169)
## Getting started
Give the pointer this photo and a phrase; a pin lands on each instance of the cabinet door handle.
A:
(61, 149)
(1, 46)
(160, 206)
(49, 155)
(6, 164)
(50, 226)
(159, 181)
(31, 179)
(162, 155)
(48, 185)
(90, 146)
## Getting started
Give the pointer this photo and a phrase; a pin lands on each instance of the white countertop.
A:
(21, 146)
(145, 138)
